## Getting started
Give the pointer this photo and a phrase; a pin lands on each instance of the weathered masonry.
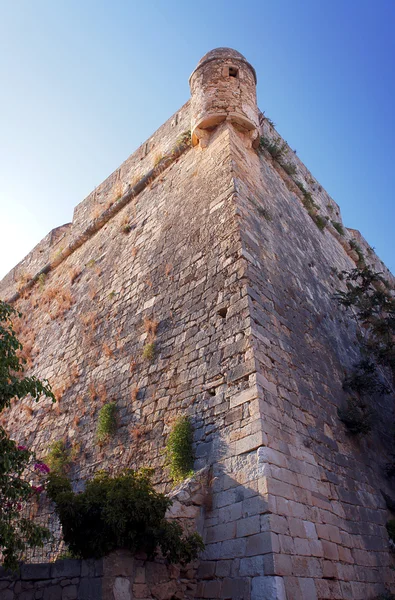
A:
(208, 235)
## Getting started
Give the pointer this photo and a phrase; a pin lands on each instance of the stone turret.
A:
(223, 87)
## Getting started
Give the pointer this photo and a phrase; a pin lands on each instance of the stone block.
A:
(156, 572)
(118, 564)
(69, 592)
(330, 550)
(230, 513)
(206, 569)
(271, 456)
(256, 505)
(35, 572)
(250, 442)
(212, 552)
(90, 588)
(92, 567)
(268, 588)
(328, 532)
(292, 588)
(277, 564)
(310, 530)
(287, 544)
(211, 589)
(140, 590)
(54, 592)
(121, 589)
(329, 570)
(220, 533)
(244, 396)
(262, 543)
(302, 547)
(252, 566)
(29, 594)
(248, 526)
(66, 568)
(237, 588)
(223, 568)
(233, 548)
(307, 588)
(296, 527)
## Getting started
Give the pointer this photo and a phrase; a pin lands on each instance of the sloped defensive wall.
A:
(207, 235)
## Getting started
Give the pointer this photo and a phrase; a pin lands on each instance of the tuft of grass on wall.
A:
(58, 458)
(107, 422)
(338, 226)
(179, 453)
(149, 351)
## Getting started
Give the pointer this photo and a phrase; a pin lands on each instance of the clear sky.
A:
(83, 83)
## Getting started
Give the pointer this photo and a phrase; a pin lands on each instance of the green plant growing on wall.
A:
(385, 596)
(390, 526)
(179, 452)
(262, 211)
(149, 351)
(120, 511)
(270, 122)
(17, 463)
(357, 248)
(368, 297)
(107, 422)
(184, 138)
(289, 168)
(41, 281)
(59, 458)
(278, 151)
(276, 148)
(319, 221)
(338, 226)
(357, 416)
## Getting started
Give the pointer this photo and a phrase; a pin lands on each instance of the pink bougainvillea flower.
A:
(37, 489)
(42, 467)
(21, 448)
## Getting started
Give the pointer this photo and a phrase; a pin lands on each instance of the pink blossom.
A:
(21, 448)
(42, 467)
(37, 489)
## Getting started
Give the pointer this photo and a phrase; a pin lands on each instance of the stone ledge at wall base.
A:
(119, 576)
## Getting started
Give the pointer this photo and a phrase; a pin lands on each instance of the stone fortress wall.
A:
(211, 240)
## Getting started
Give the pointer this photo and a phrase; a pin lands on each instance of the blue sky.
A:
(84, 83)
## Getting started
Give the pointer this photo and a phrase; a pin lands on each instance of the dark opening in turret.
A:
(233, 71)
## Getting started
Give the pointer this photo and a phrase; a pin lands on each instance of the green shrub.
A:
(149, 351)
(338, 226)
(385, 596)
(262, 211)
(364, 379)
(58, 458)
(41, 281)
(357, 416)
(122, 511)
(179, 453)
(276, 148)
(391, 529)
(289, 168)
(357, 248)
(319, 221)
(107, 422)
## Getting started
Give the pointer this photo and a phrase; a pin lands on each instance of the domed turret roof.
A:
(221, 54)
